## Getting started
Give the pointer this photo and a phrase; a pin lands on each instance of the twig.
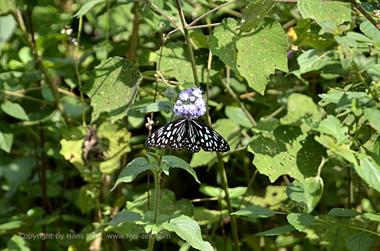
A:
(236, 98)
(39, 62)
(365, 13)
(189, 46)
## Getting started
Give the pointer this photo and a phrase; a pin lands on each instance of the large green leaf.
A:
(114, 87)
(370, 30)
(15, 110)
(260, 53)
(188, 230)
(313, 60)
(134, 168)
(255, 55)
(359, 242)
(169, 161)
(286, 151)
(343, 212)
(325, 11)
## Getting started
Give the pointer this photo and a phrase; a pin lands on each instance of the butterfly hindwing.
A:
(207, 138)
(172, 135)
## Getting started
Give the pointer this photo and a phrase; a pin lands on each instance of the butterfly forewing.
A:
(172, 135)
(187, 133)
(207, 137)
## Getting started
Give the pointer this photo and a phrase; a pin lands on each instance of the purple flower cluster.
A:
(190, 104)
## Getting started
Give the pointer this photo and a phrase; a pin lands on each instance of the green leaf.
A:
(313, 60)
(17, 171)
(373, 117)
(6, 140)
(254, 55)
(370, 30)
(218, 192)
(359, 242)
(87, 7)
(115, 143)
(254, 13)
(134, 168)
(254, 211)
(313, 192)
(333, 127)
(372, 217)
(175, 63)
(10, 225)
(222, 42)
(300, 221)
(15, 110)
(124, 216)
(260, 53)
(114, 88)
(296, 192)
(369, 170)
(277, 231)
(17, 243)
(343, 212)
(297, 112)
(343, 151)
(7, 27)
(325, 11)
(286, 151)
(188, 230)
(237, 115)
(169, 161)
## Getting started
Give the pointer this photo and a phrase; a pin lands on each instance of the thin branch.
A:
(365, 13)
(236, 98)
(189, 46)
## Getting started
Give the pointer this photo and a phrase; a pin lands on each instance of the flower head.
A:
(190, 104)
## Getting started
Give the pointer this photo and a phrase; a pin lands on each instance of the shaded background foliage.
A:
(292, 85)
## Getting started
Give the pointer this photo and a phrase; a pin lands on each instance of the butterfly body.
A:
(190, 134)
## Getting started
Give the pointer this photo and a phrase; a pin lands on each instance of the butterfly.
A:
(190, 134)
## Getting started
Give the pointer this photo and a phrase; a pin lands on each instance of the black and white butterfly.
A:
(190, 134)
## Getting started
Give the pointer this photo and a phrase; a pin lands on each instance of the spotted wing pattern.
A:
(207, 138)
(189, 134)
(172, 135)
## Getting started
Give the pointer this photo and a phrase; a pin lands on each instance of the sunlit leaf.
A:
(188, 230)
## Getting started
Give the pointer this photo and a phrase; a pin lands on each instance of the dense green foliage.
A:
(294, 87)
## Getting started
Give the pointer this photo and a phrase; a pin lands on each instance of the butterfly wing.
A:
(200, 135)
(172, 135)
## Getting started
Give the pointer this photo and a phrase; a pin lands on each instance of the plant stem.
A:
(76, 66)
(188, 42)
(134, 38)
(234, 228)
(365, 14)
(222, 170)
(156, 198)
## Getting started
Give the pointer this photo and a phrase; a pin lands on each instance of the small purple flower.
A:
(190, 104)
